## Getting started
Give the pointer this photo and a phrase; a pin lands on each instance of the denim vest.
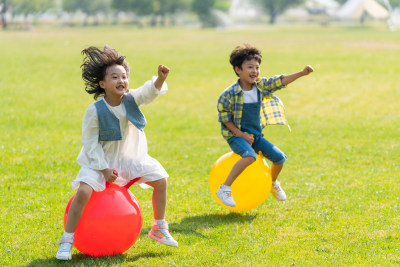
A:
(109, 128)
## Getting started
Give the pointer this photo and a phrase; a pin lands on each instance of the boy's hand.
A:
(286, 79)
(163, 71)
(248, 138)
(307, 70)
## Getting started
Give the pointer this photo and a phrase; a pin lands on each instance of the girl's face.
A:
(115, 82)
(248, 73)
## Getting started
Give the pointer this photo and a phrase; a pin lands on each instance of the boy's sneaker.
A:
(161, 234)
(277, 191)
(64, 250)
(224, 194)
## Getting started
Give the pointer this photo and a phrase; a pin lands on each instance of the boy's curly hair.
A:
(95, 64)
(242, 53)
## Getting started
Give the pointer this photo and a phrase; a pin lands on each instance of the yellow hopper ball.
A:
(251, 187)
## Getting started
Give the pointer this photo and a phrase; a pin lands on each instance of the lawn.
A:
(341, 177)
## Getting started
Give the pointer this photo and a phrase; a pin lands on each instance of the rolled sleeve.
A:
(224, 109)
(271, 85)
(164, 87)
(148, 92)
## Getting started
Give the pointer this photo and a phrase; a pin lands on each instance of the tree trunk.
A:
(3, 15)
(153, 22)
(273, 12)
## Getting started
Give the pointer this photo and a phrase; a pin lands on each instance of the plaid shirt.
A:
(230, 105)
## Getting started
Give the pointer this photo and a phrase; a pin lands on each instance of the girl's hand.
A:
(307, 70)
(248, 138)
(163, 71)
(110, 175)
(162, 75)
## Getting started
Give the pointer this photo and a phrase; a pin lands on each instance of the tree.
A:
(30, 6)
(89, 7)
(139, 7)
(276, 7)
(203, 9)
(164, 8)
(391, 3)
(25, 7)
(156, 8)
(3, 10)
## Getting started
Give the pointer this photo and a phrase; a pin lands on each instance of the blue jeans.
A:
(269, 150)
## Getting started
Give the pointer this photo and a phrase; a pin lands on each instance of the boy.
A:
(244, 109)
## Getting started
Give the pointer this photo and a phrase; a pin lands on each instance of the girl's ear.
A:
(101, 83)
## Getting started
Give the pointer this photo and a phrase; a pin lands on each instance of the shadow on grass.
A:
(189, 225)
(85, 260)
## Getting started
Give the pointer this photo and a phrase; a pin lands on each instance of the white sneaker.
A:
(224, 194)
(161, 234)
(277, 191)
(64, 250)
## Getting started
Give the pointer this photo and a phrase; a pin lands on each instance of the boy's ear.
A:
(237, 69)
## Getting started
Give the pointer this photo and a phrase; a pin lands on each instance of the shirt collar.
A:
(237, 89)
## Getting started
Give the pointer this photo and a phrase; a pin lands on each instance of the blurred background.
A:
(220, 14)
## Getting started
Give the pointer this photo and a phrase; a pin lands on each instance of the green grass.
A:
(342, 176)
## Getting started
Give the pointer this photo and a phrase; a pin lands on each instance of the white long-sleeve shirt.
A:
(128, 156)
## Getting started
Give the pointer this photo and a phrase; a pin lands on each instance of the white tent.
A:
(357, 9)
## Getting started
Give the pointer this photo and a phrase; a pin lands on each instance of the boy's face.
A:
(115, 82)
(249, 71)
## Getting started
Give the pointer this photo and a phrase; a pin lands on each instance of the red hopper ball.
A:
(111, 222)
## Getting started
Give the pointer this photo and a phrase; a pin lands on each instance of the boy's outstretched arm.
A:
(163, 72)
(294, 76)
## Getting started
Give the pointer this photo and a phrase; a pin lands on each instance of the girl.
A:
(114, 144)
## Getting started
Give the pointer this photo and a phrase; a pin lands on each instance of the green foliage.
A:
(393, 3)
(140, 7)
(341, 177)
(89, 7)
(163, 7)
(30, 6)
(203, 9)
(202, 6)
(276, 7)
(223, 5)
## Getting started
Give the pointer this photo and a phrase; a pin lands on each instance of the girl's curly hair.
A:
(242, 53)
(95, 64)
